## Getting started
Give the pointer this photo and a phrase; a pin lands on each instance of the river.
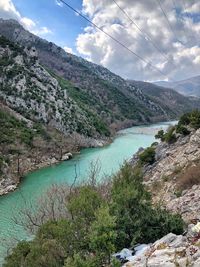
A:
(36, 183)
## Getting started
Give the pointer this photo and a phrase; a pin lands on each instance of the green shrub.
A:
(190, 119)
(182, 130)
(170, 136)
(160, 135)
(137, 221)
(13, 130)
(147, 156)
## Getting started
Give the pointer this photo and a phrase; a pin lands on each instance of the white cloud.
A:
(27, 23)
(193, 8)
(42, 31)
(8, 11)
(68, 49)
(180, 46)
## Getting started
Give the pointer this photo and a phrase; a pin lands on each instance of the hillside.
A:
(171, 167)
(171, 100)
(39, 121)
(29, 89)
(188, 87)
(171, 172)
(116, 101)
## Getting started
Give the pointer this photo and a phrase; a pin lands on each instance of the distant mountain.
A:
(99, 93)
(188, 87)
(172, 101)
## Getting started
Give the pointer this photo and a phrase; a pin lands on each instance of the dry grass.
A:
(190, 177)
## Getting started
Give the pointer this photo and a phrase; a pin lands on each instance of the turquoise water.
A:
(35, 184)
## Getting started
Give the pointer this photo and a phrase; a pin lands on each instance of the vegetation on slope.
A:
(187, 122)
(31, 91)
(114, 99)
(101, 220)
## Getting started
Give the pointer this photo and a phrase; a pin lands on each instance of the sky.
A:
(165, 34)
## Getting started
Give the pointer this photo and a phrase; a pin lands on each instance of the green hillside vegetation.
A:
(187, 122)
(109, 100)
(97, 226)
(86, 103)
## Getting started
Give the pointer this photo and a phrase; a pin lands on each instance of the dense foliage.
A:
(13, 130)
(186, 122)
(191, 119)
(87, 103)
(97, 226)
(147, 156)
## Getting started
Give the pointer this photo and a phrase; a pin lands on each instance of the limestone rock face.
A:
(188, 205)
(170, 251)
(171, 160)
(31, 90)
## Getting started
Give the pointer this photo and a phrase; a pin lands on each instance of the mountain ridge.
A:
(187, 87)
(117, 102)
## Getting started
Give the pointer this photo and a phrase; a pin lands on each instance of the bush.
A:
(182, 130)
(147, 156)
(13, 130)
(169, 136)
(137, 221)
(160, 135)
(190, 119)
(190, 177)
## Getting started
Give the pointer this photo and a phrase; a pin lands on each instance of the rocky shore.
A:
(11, 176)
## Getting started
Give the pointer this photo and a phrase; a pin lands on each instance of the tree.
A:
(147, 156)
(83, 203)
(160, 135)
(128, 200)
(103, 235)
(136, 220)
(18, 256)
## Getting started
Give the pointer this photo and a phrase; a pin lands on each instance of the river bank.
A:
(21, 165)
(29, 162)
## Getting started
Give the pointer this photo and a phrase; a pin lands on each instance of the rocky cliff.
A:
(171, 171)
(173, 175)
(28, 88)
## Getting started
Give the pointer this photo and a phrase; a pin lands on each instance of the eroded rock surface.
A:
(170, 251)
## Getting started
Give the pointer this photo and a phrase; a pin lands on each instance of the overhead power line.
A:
(179, 17)
(145, 35)
(168, 22)
(113, 38)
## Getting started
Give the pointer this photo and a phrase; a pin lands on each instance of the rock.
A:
(196, 228)
(66, 156)
(196, 263)
(170, 251)
(171, 160)
(166, 240)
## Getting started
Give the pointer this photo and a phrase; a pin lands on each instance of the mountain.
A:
(28, 88)
(113, 101)
(172, 101)
(188, 87)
